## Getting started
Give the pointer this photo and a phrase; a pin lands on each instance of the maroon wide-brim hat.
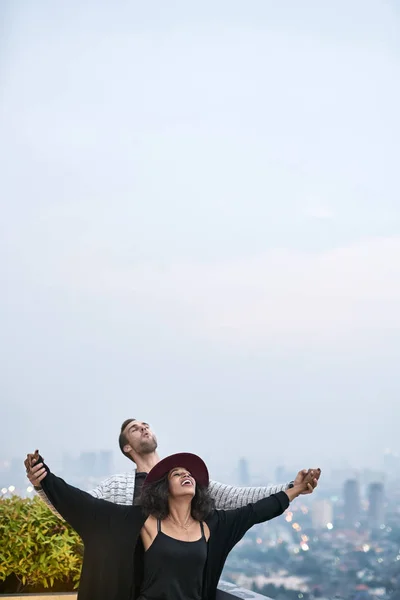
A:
(193, 463)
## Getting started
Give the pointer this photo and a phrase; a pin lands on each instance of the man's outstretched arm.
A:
(227, 497)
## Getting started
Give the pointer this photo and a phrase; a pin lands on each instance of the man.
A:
(138, 443)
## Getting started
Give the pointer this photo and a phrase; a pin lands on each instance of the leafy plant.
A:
(38, 551)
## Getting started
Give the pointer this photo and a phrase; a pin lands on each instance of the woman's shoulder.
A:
(122, 512)
(150, 523)
(226, 517)
(214, 518)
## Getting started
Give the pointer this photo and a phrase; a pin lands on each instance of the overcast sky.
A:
(200, 227)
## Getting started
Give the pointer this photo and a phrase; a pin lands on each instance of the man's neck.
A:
(145, 462)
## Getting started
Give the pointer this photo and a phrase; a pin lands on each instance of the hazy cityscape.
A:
(343, 542)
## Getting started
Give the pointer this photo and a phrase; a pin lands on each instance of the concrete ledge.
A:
(226, 591)
(40, 596)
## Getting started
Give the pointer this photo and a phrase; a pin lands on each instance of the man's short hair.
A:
(122, 438)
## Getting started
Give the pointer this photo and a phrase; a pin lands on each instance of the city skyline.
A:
(311, 550)
(88, 468)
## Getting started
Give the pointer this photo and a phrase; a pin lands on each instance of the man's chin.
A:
(148, 446)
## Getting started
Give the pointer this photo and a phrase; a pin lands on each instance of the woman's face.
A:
(181, 483)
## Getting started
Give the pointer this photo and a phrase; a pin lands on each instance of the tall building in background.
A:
(105, 463)
(87, 468)
(352, 502)
(391, 464)
(244, 475)
(322, 514)
(88, 464)
(368, 476)
(282, 474)
(376, 505)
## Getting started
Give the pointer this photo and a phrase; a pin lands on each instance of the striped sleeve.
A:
(228, 496)
(49, 505)
(118, 489)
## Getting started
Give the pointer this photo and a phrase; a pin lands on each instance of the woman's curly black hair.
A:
(154, 500)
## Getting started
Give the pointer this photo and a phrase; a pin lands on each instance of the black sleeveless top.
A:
(173, 569)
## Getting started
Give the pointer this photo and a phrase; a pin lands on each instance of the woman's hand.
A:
(306, 486)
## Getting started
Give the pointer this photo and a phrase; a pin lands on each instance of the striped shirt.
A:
(120, 489)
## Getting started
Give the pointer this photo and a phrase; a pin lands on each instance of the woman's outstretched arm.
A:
(235, 523)
(81, 510)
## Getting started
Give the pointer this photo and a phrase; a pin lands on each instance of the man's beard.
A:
(148, 445)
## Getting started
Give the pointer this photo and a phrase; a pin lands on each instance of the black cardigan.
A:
(111, 532)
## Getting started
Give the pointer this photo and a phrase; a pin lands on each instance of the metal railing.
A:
(229, 591)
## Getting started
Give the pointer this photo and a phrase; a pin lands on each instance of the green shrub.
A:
(38, 551)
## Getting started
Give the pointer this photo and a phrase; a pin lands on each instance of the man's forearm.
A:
(44, 498)
(294, 492)
(228, 496)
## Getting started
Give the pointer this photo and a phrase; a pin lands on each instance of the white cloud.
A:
(282, 296)
(320, 212)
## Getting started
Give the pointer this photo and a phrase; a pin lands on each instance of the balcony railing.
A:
(229, 591)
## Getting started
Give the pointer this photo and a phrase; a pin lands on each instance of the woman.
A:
(176, 536)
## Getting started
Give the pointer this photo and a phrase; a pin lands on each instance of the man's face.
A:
(140, 438)
(181, 483)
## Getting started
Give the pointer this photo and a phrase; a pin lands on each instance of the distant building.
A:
(391, 463)
(105, 463)
(322, 514)
(282, 474)
(340, 476)
(368, 476)
(69, 467)
(93, 465)
(244, 475)
(88, 464)
(376, 505)
(352, 502)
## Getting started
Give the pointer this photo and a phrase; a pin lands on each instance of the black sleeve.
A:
(81, 510)
(236, 522)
